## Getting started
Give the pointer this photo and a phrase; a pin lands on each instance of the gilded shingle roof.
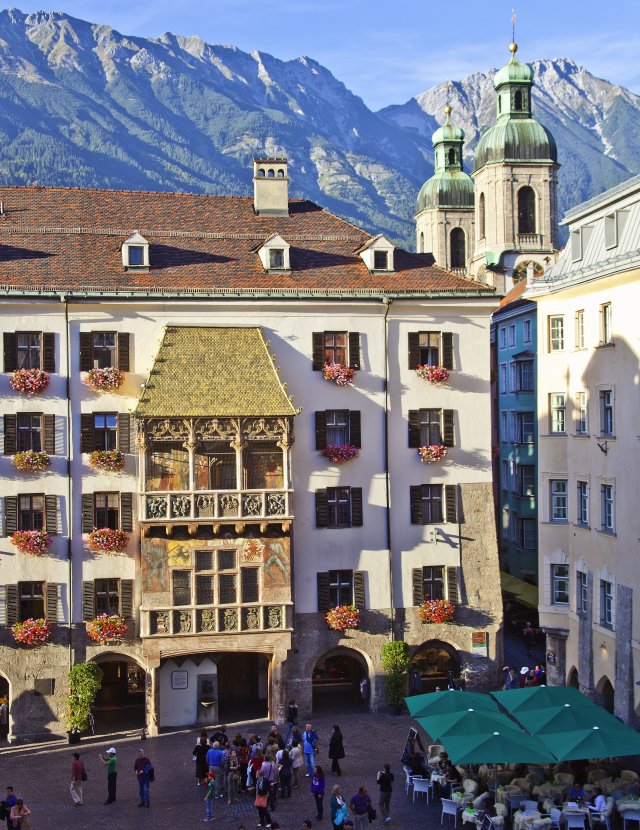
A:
(201, 371)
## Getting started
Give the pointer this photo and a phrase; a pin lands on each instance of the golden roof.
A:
(202, 371)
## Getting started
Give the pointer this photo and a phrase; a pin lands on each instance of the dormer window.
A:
(135, 252)
(274, 254)
(377, 254)
(276, 258)
(136, 255)
(380, 260)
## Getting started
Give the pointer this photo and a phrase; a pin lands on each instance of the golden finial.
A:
(513, 48)
(447, 110)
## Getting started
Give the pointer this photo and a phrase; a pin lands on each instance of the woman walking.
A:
(285, 771)
(233, 780)
(244, 753)
(297, 760)
(336, 750)
(200, 757)
(262, 799)
(339, 809)
(19, 815)
(255, 764)
(317, 789)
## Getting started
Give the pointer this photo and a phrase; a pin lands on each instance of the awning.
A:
(519, 589)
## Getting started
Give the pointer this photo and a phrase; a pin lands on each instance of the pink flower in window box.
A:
(436, 611)
(31, 632)
(342, 617)
(108, 461)
(433, 453)
(106, 540)
(31, 461)
(434, 374)
(29, 382)
(336, 372)
(340, 453)
(107, 629)
(33, 542)
(104, 380)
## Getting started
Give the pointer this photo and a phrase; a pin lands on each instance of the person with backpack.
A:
(145, 774)
(270, 773)
(262, 799)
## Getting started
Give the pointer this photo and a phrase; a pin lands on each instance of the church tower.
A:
(444, 217)
(515, 176)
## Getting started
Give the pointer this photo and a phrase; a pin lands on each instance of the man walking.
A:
(385, 777)
(214, 759)
(7, 803)
(144, 773)
(309, 744)
(78, 775)
(110, 762)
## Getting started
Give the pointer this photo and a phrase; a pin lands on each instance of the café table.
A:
(628, 802)
(525, 819)
(504, 791)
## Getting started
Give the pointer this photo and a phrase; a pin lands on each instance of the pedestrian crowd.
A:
(526, 677)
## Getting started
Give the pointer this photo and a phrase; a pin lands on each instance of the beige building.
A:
(588, 425)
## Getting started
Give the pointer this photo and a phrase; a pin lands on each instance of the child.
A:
(209, 796)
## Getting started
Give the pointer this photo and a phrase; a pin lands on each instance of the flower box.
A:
(33, 542)
(436, 611)
(104, 380)
(107, 629)
(434, 374)
(336, 372)
(433, 453)
(342, 617)
(105, 540)
(29, 382)
(31, 632)
(31, 461)
(107, 461)
(340, 453)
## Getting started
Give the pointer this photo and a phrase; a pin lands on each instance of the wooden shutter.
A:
(414, 428)
(324, 593)
(321, 430)
(447, 427)
(447, 349)
(51, 601)
(49, 429)
(359, 594)
(126, 598)
(124, 432)
(126, 512)
(355, 428)
(321, 508)
(10, 434)
(12, 604)
(453, 593)
(354, 349)
(415, 499)
(87, 512)
(10, 514)
(88, 601)
(418, 585)
(123, 351)
(451, 501)
(10, 351)
(48, 352)
(87, 432)
(414, 349)
(356, 507)
(318, 350)
(51, 513)
(86, 351)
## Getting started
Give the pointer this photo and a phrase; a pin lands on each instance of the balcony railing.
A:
(529, 240)
(191, 619)
(217, 505)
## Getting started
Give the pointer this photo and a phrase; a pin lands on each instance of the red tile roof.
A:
(68, 240)
(515, 294)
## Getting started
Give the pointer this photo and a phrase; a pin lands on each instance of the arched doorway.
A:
(458, 253)
(526, 210)
(604, 694)
(336, 680)
(572, 678)
(243, 686)
(120, 702)
(432, 665)
(5, 706)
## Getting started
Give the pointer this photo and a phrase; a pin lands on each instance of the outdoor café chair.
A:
(422, 785)
(409, 776)
(575, 821)
(530, 805)
(449, 808)
(515, 800)
(630, 815)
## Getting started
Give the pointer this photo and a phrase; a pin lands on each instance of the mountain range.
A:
(82, 105)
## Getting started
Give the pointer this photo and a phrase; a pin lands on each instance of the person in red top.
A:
(78, 775)
(142, 767)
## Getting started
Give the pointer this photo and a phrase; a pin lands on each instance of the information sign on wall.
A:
(179, 679)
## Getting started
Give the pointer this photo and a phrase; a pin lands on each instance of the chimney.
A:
(270, 187)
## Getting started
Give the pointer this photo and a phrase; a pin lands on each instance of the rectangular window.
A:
(276, 257)
(581, 413)
(505, 474)
(513, 377)
(504, 429)
(583, 503)
(560, 584)
(606, 603)
(136, 255)
(106, 512)
(433, 582)
(167, 466)
(263, 463)
(610, 231)
(526, 331)
(337, 427)
(249, 585)
(526, 480)
(431, 498)
(31, 601)
(28, 346)
(608, 518)
(606, 412)
(104, 349)
(105, 430)
(514, 427)
(606, 333)
(580, 341)
(576, 245)
(526, 533)
(338, 507)
(335, 347)
(107, 596)
(582, 592)
(556, 333)
(525, 428)
(340, 588)
(558, 495)
(430, 427)
(215, 466)
(380, 260)
(503, 378)
(512, 334)
(29, 432)
(429, 348)
(525, 376)
(181, 587)
(557, 412)
(30, 512)
(502, 337)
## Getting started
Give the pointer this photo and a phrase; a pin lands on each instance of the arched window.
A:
(452, 156)
(458, 258)
(421, 251)
(526, 210)
(270, 174)
(281, 174)
(481, 218)
(517, 100)
(261, 173)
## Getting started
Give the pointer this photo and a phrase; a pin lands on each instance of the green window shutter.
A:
(415, 498)
(321, 508)
(447, 427)
(324, 593)
(88, 601)
(453, 592)
(10, 351)
(87, 433)
(126, 598)
(355, 428)
(356, 507)
(414, 349)
(414, 428)
(318, 350)
(48, 352)
(87, 512)
(51, 601)
(451, 502)
(49, 429)
(10, 514)
(124, 432)
(10, 434)
(321, 430)
(126, 512)
(359, 594)
(418, 585)
(354, 349)
(86, 351)
(123, 351)
(51, 514)
(447, 350)
(12, 604)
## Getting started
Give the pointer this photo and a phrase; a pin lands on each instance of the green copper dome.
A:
(446, 190)
(514, 72)
(448, 131)
(520, 139)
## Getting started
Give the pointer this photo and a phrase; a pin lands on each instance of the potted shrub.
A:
(395, 663)
(342, 617)
(31, 632)
(30, 461)
(336, 372)
(85, 680)
(433, 453)
(104, 380)
(433, 374)
(107, 628)
(29, 382)
(107, 461)
(436, 611)
(33, 542)
(340, 453)
(106, 540)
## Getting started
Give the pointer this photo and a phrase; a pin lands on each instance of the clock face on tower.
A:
(520, 271)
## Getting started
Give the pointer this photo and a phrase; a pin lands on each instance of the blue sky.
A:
(387, 52)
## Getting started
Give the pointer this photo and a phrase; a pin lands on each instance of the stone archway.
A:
(120, 703)
(604, 694)
(572, 678)
(432, 665)
(336, 679)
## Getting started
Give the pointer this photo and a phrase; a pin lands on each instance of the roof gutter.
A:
(375, 295)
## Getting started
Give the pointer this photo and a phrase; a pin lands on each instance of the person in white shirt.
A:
(599, 802)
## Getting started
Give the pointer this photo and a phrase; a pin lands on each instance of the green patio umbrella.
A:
(451, 700)
(608, 742)
(567, 718)
(539, 697)
(506, 747)
(467, 722)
